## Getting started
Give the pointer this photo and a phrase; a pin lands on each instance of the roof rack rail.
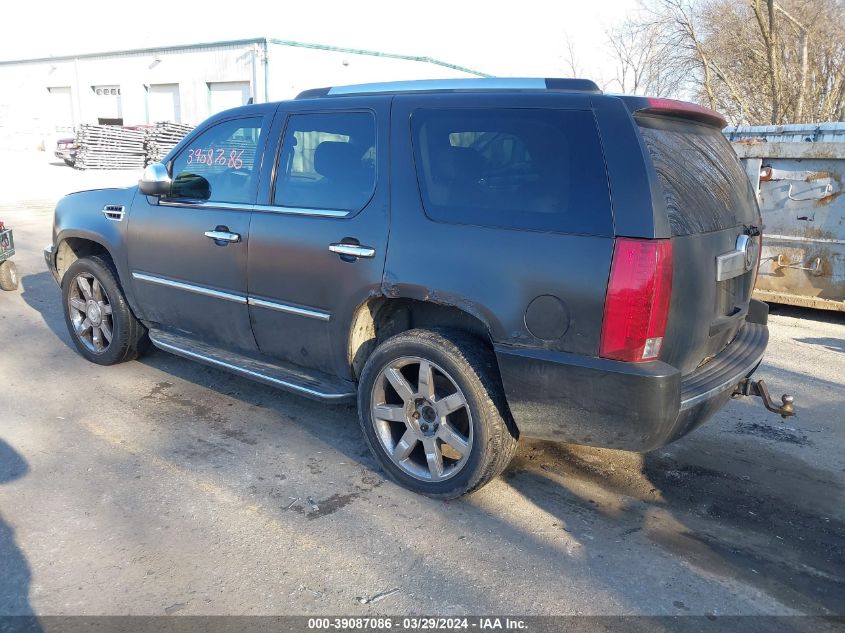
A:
(454, 85)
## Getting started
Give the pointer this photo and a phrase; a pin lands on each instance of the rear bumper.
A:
(631, 406)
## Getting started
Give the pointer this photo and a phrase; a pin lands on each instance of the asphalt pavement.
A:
(161, 486)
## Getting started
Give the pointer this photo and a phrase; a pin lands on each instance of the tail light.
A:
(637, 304)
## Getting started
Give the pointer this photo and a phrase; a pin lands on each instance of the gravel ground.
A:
(161, 486)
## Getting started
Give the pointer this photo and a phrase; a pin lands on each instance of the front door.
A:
(318, 240)
(188, 250)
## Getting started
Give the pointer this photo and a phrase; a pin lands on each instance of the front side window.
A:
(219, 165)
(327, 161)
(535, 169)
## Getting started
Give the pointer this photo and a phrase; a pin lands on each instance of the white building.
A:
(48, 97)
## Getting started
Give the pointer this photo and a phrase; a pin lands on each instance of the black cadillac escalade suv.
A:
(471, 260)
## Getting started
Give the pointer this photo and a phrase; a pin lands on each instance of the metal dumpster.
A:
(798, 172)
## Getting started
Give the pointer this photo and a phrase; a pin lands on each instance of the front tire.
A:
(433, 412)
(97, 316)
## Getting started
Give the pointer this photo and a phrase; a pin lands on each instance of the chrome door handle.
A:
(352, 250)
(223, 236)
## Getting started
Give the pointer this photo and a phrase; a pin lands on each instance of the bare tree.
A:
(646, 64)
(803, 45)
(768, 31)
(570, 61)
(681, 24)
(759, 61)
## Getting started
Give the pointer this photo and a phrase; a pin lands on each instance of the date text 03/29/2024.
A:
(418, 624)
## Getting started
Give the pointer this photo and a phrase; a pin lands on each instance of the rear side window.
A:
(327, 161)
(219, 164)
(703, 182)
(535, 169)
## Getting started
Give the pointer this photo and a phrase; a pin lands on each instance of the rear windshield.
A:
(703, 182)
(534, 169)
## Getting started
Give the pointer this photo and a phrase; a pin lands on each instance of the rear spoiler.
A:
(675, 108)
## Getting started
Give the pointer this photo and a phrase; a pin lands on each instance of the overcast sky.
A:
(516, 38)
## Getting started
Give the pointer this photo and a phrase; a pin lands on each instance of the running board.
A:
(315, 385)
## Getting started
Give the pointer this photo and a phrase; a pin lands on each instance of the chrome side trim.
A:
(181, 285)
(218, 294)
(262, 208)
(199, 204)
(247, 372)
(324, 213)
(283, 307)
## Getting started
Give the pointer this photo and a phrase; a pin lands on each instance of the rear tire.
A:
(434, 414)
(97, 316)
(8, 275)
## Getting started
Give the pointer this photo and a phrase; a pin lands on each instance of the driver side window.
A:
(219, 165)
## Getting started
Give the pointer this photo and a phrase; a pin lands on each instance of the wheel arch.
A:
(71, 248)
(379, 318)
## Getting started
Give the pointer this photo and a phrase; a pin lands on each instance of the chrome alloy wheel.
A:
(422, 419)
(90, 312)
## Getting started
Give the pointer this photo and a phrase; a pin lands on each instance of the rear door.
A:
(188, 251)
(500, 205)
(319, 236)
(715, 226)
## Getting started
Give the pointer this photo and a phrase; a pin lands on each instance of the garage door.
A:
(223, 95)
(61, 109)
(163, 103)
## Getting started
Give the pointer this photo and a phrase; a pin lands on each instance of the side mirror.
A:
(155, 181)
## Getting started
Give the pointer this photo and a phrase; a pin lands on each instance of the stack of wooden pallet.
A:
(161, 138)
(109, 147)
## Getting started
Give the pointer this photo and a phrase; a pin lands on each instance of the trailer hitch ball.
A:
(787, 404)
(760, 389)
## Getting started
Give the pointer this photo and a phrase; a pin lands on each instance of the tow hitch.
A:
(758, 388)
